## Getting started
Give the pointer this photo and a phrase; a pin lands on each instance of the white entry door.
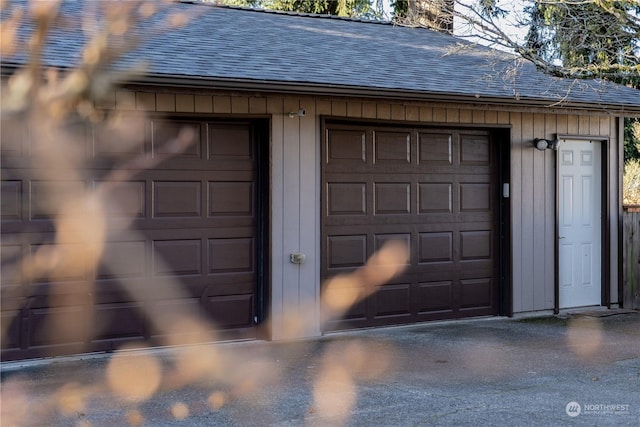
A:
(579, 234)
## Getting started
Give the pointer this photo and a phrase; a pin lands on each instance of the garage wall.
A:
(295, 184)
(533, 218)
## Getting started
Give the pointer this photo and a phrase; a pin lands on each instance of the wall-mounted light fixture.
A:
(300, 113)
(542, 144)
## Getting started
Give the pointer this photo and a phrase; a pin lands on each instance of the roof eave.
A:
(321, 89)
(304, 88)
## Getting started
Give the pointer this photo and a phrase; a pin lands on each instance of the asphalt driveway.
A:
(580, 369)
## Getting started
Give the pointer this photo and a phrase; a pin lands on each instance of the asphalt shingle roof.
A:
(275, 49)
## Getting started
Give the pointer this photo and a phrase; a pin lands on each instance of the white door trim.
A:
(579, 218)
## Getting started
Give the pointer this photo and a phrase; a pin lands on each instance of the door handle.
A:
(561, 237)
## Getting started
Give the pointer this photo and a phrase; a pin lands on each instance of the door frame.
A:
(605, 219)
(500, 137)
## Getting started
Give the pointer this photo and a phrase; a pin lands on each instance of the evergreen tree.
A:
(347, 8)
(434, 14)
(598, 39)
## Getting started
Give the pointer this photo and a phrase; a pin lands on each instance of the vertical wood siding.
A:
(276, 314)
(309, 235)
(295, 186)
(517, 236)
(291, 204)
(550, 128)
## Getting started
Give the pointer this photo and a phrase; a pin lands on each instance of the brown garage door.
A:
(434, 189)
(192, 248)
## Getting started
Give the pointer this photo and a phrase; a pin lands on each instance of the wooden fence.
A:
(631, 257)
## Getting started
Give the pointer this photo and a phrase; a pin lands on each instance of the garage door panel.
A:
(193, 237)
(436, 247)
(177, 257)
(231, 198)
(11, 205)
(346, 198)
(123, 260)
(476, 293)
(12, 324)
(118, 321)
(392, 198)
(440, 202)
(173, 312)
(46, 197)
(177, 199)
(59, 325)
(346, 251)
(113, 291)
(476, 268)
(393, 300)
(475, 197)
(13, 135)
(346, 147)
(392, 147)
(165, 133)
(475, 245)
(435, 296)
(381, 239)
(122, 138)
(65, 262)
(126, 200)
(358, 311)
(232, 311)
(171, 155)
(435, 197)
(231, 255)
(435, 149)
(10, 256)
(475, 150)
(230, 142)
(12, 297)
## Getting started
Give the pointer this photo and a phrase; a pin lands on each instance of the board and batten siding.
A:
(295, 184)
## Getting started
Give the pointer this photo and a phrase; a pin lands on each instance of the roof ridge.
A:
(286, 12)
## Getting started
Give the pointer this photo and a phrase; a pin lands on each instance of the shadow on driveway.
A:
(551, 370)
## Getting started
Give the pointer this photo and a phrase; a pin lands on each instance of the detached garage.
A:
(314, 141)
